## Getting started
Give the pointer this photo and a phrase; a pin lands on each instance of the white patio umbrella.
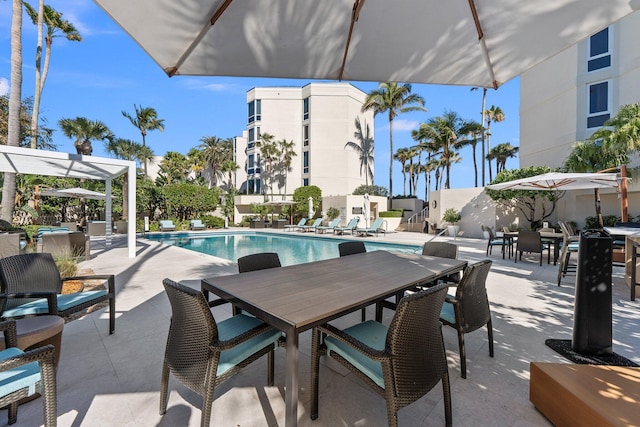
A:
(366, 210)
(311, 210)
(464, 42)
(561, 181)
(73, 192)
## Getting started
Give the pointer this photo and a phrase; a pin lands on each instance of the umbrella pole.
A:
(624, 201)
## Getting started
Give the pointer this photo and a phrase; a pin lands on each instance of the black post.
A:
(592, 316)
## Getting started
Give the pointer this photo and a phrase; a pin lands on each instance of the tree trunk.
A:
(390, 159)
(596, 196)
(484, 115)
(13, 137)
(37, 92)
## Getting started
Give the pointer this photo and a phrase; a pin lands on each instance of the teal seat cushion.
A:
(497, 242)
(573, 246)
(235, 326)
(371, 333)
(447, 313)
(18, 378)
(65, 302)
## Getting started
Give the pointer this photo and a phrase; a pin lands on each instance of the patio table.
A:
(296, 298)
(547, 237)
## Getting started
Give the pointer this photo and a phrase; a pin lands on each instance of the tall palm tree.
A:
(622, 132)
(402, 155)
(493, 114)
(483, 114)
(229, 166)
(473, 130)
(364, 146)
(287, 151)
(270, 154)
(394, 99)
(501, 153)
(126, 149)
(13, 131)
(216, 151)
(412, 151)
(421, 135)
(174, 168)
(52, 20)
(85, 131)
(145, 119)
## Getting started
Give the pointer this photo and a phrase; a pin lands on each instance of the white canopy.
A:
(561, 181)
(72, 192)
(53, 163)
(481, 43)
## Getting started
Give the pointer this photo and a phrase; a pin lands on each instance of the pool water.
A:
(291, 249)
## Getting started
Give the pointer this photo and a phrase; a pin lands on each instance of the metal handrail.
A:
(422, 215)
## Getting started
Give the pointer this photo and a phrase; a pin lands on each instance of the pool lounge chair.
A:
(196, 224)
(293, 227)
(167, 225)
(375, 227)
(332, 225)
(311, 227)
(351, 226)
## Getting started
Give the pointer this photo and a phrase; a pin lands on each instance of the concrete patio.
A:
(114, 380)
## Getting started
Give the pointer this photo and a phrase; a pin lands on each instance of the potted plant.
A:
(452, 217)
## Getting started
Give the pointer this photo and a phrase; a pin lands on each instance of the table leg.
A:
(556, 244)
(291, 380)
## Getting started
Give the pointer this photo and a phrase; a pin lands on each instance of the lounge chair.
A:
(311, 227)
(332, 225)
(167, 225)
(351, 226)
(375, 227)
(196, 224)
(293, 227)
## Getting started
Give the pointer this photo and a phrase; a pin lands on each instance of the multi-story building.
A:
(566, 98)
(319, 119)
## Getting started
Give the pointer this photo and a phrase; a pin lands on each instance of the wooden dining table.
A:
(296, 298)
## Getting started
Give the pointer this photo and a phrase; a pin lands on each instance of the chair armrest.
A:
(8, 328)
(217, 302)
(245, 336)
(52, 298)
(375, 354)
(450, 299)
(110, 278)
(43, 354)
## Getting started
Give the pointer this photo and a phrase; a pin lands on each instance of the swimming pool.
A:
(294, 249)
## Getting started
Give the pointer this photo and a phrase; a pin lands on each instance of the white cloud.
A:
(4, 86)
(202, 84)
(402, 125)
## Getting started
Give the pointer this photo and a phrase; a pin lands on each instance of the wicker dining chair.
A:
(202, 353)
(26, 373)
(530, 241)
(31, 285)
(469, 309)
(443, 250)
(353, 248)
(402, 362)
(260, 261)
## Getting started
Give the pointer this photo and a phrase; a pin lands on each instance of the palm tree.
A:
(270, 154)
(174, 168)
(126, 149)
(287, 151)
(484, 117)
(501, 153)
(145, 119)
(402, 155)
(421, 135)
(13, 126)
(592, 156)
(412, 152)
(621, 132)
(229, 167)
(392, 98)
(53, 22)
(494, 114)
(473, 130)
(364, 146)
(216, 151)
(197, 160)
(85, 131)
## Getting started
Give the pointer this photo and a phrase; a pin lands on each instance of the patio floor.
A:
(114, 380)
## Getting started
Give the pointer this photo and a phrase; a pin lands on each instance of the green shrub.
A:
(213, 221)
(607, 220)
(391, 214)
(333, 213)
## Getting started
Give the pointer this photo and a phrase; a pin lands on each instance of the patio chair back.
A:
(529, 241)
(33, 272)
(9, 244)
(351, 248)
(441, 249)
(261, 261)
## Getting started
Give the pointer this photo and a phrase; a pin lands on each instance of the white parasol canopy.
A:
(481, 43)
(561, 181)
(73, 192)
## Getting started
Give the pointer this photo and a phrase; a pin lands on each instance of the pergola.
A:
(52, 163)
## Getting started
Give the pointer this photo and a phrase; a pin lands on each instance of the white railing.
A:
(418, 218)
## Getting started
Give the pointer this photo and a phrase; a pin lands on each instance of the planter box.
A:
(257, 224)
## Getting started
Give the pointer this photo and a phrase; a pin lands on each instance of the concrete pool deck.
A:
(114, 380)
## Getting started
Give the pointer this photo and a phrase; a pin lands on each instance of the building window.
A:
(305, 109)
(305, 162)
(305, 182)
(254, 136)
(255, 111)
(599, 104)
(599, 51)
(253, 186)
(305, 136)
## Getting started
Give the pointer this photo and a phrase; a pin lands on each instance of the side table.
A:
(38, 331)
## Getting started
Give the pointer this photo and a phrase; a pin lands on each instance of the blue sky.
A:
(108, 72)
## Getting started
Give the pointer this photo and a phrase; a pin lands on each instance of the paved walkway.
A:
(114, 380)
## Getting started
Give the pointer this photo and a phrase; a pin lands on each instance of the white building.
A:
(568, 97)
(320, 119)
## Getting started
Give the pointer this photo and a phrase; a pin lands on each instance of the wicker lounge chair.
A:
(350, 227)
(376, 227)
(469, 309)
(332, 225)
(25, 374)
(401, 363)
(167, 225)
(31, 286)
(293, 227)
(196, 224)
(202, 353)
